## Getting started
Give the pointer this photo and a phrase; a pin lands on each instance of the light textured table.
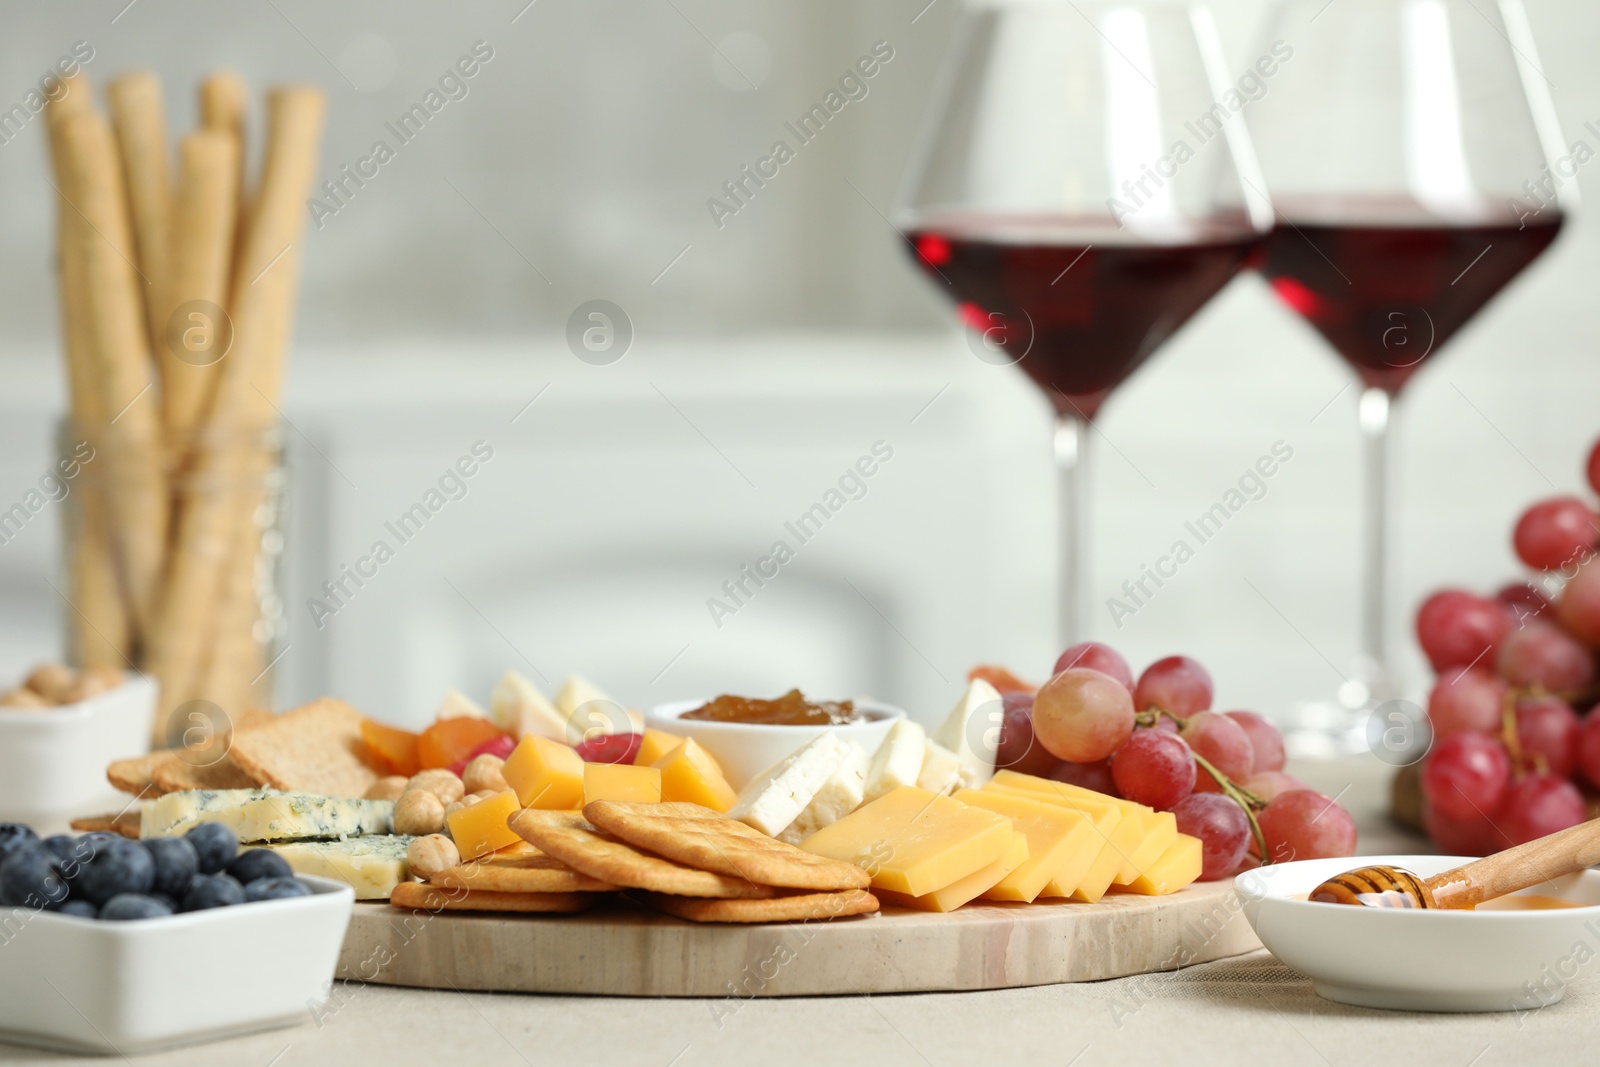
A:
(1249, 1009)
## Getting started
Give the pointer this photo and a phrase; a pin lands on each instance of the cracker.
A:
(421, 896)
(710, 841)
(523, 874)
(125, 822)
(182, 773)
(312, 749)
(567, 836)
(789, 908)
(137, 775)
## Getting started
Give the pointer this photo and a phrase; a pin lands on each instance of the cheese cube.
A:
(372, 866)
(941, 768)
(689, 774)
(972, 731)
(773, 799)
(1178, 866)
(256, 815)
(838, 797)
(517, 705)
(622, 782)
(914, 841)
(898, 760)
(656, 744)
(545, 774)
(481, 828)
(1062, 844)
(965, 889)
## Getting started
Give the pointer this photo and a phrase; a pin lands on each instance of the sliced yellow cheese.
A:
(654, 745)
(688, 773)
(913, 841)
(1062, 844)
(545, 774)
(1178, 866)
(622, 782)
(963, 890)
(481, 828)
(1160, 831)
(1157, 829)
(1119, 833)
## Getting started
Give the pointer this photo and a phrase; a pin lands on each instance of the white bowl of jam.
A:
(1517, 953)
(747, 735)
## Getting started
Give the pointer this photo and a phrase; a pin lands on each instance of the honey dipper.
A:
(1467, 886)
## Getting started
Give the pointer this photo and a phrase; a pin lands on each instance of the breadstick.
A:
(141, 127)
(199, 262)
(224, 108)
(237, 654)
(119, 355)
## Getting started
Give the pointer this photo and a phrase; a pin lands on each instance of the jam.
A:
(791, 709)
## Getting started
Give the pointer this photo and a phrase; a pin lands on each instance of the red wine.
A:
(1387, 296)
(1079, 315)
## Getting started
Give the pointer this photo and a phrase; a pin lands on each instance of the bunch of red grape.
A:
(1509, 750)
(1157, 741)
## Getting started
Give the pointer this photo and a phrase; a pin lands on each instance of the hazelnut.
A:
(427, 856)
(25, 699)
(484, 773)
(390, 788)
(441, 782)
(91, 683)
(418, 812)
(51, 681)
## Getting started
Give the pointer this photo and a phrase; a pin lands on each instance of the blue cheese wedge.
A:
(372, 866)
(258, 815)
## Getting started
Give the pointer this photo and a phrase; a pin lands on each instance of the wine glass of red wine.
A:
(1077, 194)
(1413, 159)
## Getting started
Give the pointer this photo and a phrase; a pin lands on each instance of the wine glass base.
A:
(1330, 729)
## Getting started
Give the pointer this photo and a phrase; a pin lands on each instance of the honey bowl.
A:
(1499, 957)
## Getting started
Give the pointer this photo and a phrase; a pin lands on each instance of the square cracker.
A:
(312, 749)
(710, 841)
(423, 897)
(792, 907)
(124, 822)
(568, 837)
(523, 874)
(137, 775)
(183, 772)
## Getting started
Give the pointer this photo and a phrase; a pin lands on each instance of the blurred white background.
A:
(768, 355)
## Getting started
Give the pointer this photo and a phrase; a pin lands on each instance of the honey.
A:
(791, 709)
(1527, 902)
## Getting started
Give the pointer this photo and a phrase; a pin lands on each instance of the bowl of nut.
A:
(58, 730)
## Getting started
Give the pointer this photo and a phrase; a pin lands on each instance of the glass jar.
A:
(173, 552)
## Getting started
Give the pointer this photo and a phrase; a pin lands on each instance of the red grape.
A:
(1466, 698)
(1578, 609)
(1018, 750)
(1463, 837)
(1589, 746)
(1540, 804)
(1266, 740)
(1222, 827)
(1096, 776)
(1304, 824)
(610, 748)
(1269, 784)
(1592, 468)
(1082, 715)
(1547, 726)
(1455, 627)
(1176, 684)
(1543, 655)
(1097, 657)
(1524, 601)
(1466, 776)
(1554, 534)
(1221, 741)
(1154, 768)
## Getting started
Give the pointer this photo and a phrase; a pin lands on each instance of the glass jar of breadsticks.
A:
(173, 550)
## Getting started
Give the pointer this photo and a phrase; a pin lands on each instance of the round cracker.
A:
(421, 896)
(523, 874)
(791, 907)
(568, 837)
(710, 841)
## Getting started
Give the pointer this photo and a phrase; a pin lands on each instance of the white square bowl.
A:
(53, 760)
(117, 988)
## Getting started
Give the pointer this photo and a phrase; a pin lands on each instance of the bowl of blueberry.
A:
(116, 946)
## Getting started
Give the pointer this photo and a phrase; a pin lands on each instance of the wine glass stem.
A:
(1071, 450)
(1375, 422)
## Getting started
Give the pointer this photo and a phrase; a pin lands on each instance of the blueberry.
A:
(30, 877)
(276, 889)
(216, 891)
(165, 901)
(259, 863)
(117, 866)
(176, 865)
(81, 908)
(13, 835)
(62, 846)
(125, 906)
(214, 844)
